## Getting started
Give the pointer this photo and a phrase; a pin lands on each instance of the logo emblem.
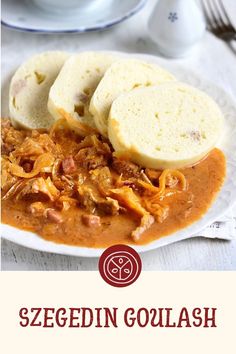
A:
(120, 265)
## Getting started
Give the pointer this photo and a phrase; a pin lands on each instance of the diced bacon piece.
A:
(53, 216)
(91, 220)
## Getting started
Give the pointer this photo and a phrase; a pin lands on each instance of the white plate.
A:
(23, 15)
(225, 200)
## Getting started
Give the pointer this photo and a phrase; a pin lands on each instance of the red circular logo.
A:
(120, 265)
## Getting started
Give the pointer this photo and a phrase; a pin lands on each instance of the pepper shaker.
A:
(176, 26)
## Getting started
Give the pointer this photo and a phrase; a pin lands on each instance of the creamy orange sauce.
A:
(204, 180)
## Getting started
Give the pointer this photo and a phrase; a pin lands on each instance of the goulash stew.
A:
(75, 190)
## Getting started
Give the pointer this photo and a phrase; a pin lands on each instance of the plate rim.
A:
(79, 251)
(107, 24)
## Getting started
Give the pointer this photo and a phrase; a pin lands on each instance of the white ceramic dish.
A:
(25, 15)
(225, 200)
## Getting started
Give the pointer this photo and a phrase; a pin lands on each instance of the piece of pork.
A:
(96, 204)
(39, 187)
(108, 206)
(126, 168)
(146, 221)
(68, 165)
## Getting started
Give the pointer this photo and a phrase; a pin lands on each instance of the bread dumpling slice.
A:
(170, 126)
(70, 94)
(29, 88)
(123, 76)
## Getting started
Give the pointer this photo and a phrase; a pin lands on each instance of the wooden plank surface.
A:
(193, 254)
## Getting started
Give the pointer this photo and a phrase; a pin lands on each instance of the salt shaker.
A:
(176, 26)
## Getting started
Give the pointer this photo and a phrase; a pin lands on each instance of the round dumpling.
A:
(29, 88)
(70, 95)
(170, 126)
(123, 76)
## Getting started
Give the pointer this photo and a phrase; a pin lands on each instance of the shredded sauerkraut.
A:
(55, 173)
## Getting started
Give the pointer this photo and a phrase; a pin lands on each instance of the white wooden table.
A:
(213, 59)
